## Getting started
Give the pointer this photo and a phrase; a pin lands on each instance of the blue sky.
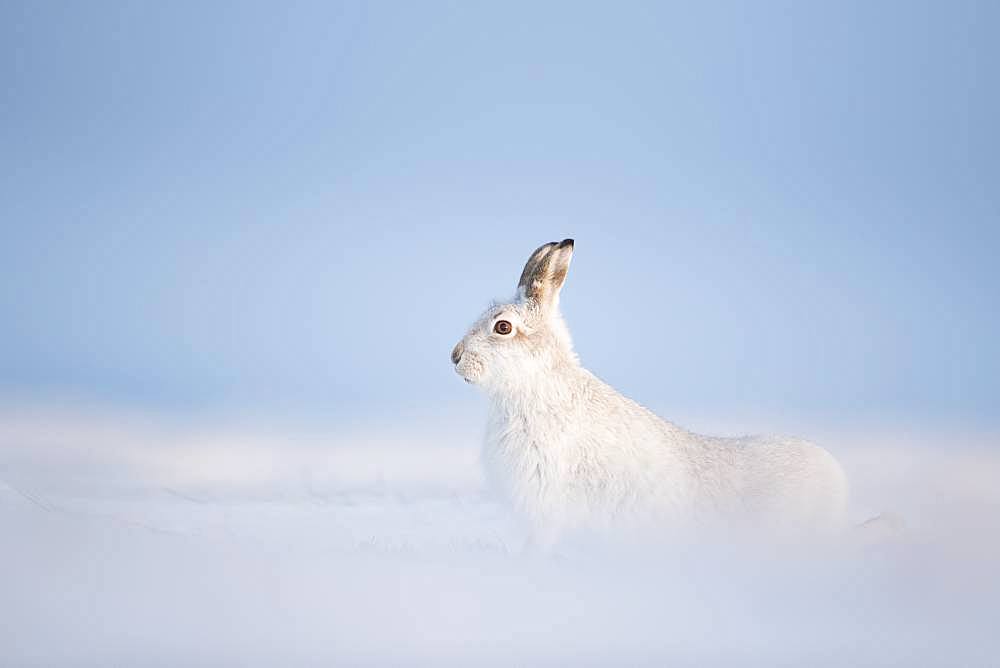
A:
(782, 208)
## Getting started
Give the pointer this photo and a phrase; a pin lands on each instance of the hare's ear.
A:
(545, 272)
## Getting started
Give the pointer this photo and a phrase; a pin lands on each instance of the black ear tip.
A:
(566, 243)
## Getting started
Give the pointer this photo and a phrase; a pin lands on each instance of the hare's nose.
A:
(456, 353)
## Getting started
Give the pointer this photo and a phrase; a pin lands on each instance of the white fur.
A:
(570, 452)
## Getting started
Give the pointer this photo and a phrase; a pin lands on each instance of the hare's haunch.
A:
(569, 451)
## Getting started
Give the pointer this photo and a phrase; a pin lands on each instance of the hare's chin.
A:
(471, 379)
(469, 376)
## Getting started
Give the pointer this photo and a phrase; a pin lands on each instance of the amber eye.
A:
(503, 327)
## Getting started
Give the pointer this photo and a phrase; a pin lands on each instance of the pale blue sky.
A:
(778, 207)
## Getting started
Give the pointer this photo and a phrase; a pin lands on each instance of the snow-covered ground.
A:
(131, 542)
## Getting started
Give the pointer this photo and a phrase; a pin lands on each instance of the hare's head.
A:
(512, 343)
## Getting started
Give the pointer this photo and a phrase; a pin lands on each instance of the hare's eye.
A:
(503, 327)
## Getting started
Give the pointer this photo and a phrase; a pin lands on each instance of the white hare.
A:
(570, 452)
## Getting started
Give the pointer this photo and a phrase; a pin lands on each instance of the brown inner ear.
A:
(559, 274)
(544, 273)
(534, 270)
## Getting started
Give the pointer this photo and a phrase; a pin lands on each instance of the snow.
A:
(135, 541)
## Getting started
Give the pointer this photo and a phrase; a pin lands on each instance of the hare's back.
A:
(792, 481)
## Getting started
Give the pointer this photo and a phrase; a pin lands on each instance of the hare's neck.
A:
(557, 392)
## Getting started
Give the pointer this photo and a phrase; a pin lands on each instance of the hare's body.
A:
(571, 452)
(576, 454)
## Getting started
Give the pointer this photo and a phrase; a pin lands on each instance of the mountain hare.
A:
(570, 452)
